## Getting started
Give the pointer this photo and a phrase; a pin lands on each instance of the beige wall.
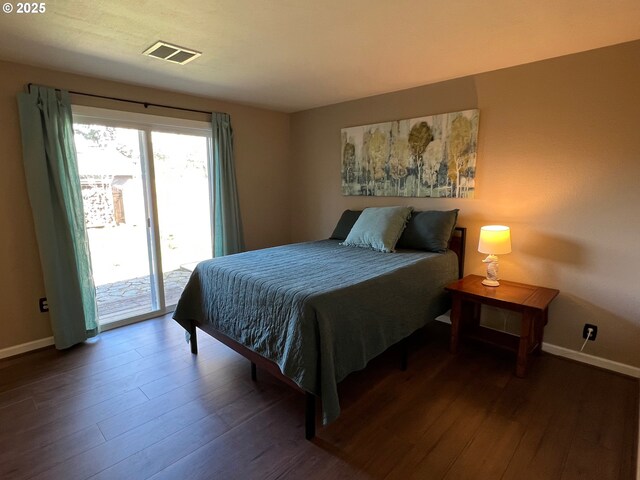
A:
(261, 141)
(558, 161)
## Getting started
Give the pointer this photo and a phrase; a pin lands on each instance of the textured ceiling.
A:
(291, 55)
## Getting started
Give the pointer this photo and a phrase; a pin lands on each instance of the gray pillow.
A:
(345, 224)
(378, 228)
(429, 230)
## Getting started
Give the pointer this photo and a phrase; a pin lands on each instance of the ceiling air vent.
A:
(171, 53)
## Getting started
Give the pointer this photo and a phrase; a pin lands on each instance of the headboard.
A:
(457, 243)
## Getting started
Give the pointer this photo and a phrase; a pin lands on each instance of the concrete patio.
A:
(132, 297)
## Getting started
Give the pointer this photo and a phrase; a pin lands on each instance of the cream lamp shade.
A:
(494, 240)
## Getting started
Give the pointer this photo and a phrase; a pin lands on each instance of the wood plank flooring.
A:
(136, 404)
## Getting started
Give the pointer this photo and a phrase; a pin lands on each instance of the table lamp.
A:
(494, 240)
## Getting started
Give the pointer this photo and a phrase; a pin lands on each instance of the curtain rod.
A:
(145, 104)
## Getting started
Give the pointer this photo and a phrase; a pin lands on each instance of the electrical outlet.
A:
(44, 306)
(594, 332)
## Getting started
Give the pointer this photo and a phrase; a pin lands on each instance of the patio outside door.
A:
(147, 204)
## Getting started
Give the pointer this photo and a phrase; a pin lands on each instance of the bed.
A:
(311, 313)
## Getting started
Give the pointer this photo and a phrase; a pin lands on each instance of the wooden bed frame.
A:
(456, 244)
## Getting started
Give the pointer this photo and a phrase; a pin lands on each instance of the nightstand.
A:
(469, 294)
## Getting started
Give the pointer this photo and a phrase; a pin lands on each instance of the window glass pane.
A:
(112, 181)
(184, 206)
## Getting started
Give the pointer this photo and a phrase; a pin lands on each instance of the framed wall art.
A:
(432, 156)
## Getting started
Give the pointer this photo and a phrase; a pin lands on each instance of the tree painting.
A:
(349, 162)
(399, 162)
(378, 147)
(459, 146)
(419, 137)
(432, 156)
(432, 161)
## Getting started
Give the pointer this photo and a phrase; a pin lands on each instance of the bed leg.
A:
(254, 375)
(310, 416)
(193, 339)
(404, 354)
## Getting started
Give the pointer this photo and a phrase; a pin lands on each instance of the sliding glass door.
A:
(146, 191)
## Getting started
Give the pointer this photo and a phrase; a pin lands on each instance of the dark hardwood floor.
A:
(136, 404)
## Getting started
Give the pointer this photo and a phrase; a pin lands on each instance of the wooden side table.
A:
(469, 294)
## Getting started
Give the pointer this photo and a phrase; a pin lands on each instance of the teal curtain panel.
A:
(228, 237)
(55, 195)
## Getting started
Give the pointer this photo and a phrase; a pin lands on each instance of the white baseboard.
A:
(591, 360)
(26, 347)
